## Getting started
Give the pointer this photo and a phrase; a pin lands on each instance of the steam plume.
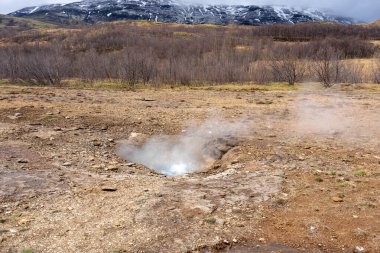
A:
(198, 146)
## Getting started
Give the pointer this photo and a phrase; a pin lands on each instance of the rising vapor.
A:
(196, 148)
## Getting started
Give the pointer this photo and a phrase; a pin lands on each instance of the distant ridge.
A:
(174, 12)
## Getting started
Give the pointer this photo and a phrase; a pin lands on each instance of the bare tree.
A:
(287, 67)
(327, 66)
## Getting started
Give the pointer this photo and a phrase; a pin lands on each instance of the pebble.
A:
(112, 168)
(109, 189)
(337, 199)
(360, 232)
(359, 249)
(13, 231)
(22, 161)
(67, 164)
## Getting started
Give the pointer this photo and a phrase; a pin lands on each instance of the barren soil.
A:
(304, 178)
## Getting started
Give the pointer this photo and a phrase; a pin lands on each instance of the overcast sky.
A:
(366, 10)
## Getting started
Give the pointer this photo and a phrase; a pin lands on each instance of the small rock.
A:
(359, 249)
(13, 231)
(235, 240)
(96, 144)
(22, 161)
(261, 240)
(360, 232)
(337, 199)
(67, 164)
(109, 189)
(148, 99)
(112, 168)
(312, 230)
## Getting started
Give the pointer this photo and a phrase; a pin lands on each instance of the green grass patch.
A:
(184, 34)
(119, 85)
(23, 23)
(360, 173)
(210, 220)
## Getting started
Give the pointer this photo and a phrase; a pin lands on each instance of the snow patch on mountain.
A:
(92, 11)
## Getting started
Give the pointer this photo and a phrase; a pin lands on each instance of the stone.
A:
(337, 199)
(112, 168)
(22, 161)
(66, 164)
(359, 249)
(360, 232)
(109, 189)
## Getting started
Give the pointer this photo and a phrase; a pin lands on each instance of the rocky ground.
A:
(303, 176)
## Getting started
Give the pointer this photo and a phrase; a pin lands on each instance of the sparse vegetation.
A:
(360, 173)
(141, 53)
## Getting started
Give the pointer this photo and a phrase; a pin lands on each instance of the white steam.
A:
(337, 116)
(195, 148)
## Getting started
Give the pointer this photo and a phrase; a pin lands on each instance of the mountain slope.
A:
(92, 11)
(10, 22)
(376, 23)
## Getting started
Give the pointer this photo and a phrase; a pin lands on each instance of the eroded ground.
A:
(303, 178)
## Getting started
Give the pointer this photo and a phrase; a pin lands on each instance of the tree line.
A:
(147, 53)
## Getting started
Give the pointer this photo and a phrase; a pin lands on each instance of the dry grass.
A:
(248, 87)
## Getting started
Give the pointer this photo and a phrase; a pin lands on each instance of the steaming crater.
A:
(197, 148)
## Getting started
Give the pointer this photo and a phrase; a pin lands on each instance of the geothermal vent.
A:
(197, 148)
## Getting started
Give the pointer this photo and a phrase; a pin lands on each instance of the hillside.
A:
(174, 12)
(376, 23)
(11, 22)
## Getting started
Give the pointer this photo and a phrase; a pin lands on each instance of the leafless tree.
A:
(327, 66)
(287, 67)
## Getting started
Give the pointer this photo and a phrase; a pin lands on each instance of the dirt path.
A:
(303, 178)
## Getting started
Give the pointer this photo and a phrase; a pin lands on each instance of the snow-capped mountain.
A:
(92, 11)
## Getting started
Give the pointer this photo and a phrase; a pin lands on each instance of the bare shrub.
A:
(352, 72)
(286, 67)
(261, 72)
(376, 74)
(165, 54)
(327, 66)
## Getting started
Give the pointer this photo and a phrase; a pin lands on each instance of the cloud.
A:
(366, 10)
